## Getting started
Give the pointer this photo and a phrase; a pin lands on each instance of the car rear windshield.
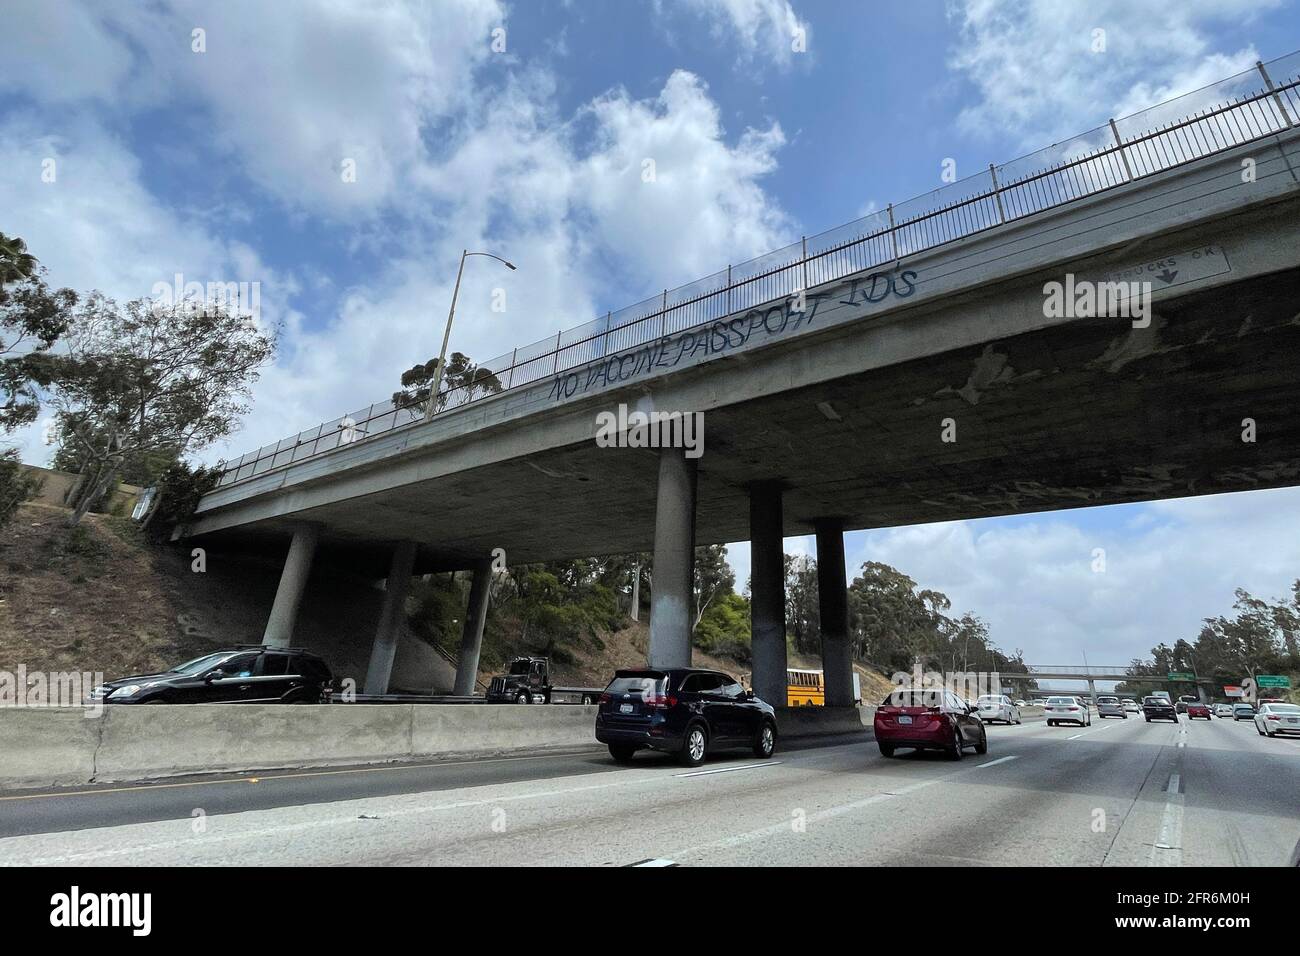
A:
(1061, 700)
(913, 698)
(638, 682)
(1283, 709)
(1108, 700)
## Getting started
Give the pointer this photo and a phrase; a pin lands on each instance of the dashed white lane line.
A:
(747, 766)
(656, 862)
(1168, 848)
(994, 763)
(1087, 732)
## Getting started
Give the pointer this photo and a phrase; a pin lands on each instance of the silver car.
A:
(1222, 710)
(1272, 719)
(991, 707)
(1111, 707)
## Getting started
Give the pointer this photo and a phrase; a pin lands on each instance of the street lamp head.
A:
(509, 265)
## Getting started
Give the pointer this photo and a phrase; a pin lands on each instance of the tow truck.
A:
(527, 681)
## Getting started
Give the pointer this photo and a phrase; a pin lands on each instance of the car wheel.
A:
(983, 746)
(765, 745)
(522, 698)
(1051, 723)
(1258, 731)
(1148, 720)
(586, 700)
(956, 748)
(695, 746)
(622, 752)
(886, 750)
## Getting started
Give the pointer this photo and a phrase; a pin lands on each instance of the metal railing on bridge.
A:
(1232, 112)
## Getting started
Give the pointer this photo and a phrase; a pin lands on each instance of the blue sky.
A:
(227, 164)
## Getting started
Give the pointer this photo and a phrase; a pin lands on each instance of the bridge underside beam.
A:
(1093, 412)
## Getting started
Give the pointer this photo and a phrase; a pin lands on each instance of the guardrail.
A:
(1230, 113)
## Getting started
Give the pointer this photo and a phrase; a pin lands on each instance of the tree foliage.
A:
(462, 381)
(16, 485)
(1260, 637)
(142, 379)
(32, 317)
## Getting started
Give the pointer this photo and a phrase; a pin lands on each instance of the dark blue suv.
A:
(682, 711)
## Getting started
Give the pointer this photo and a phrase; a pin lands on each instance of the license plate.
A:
(625, 708)
(904, 719)
(1293, 720)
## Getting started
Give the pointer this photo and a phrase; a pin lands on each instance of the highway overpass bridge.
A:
(914, 366)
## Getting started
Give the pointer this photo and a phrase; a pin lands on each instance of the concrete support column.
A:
(767, 593)
(471, 639)
(391, 618)
(672, 599)
(1092, 691)
(293, 580)
(833, 603)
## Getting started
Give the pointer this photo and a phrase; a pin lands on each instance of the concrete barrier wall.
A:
(59, 746)
(43, 747)
(47, 746)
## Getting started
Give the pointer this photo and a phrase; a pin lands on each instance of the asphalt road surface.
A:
(1118, 793)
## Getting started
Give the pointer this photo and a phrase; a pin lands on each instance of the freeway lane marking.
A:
(747, 766)
(653, 863)
(317, 824)
(1087, 732)
(994, 763)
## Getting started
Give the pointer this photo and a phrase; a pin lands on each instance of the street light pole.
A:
(446, 333)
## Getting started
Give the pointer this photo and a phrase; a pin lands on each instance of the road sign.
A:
(1179, 675)
(1232, 690)
(1273, 680)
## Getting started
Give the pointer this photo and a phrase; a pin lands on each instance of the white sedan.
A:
(993, 707)
(1274, 719)
(1067, 710)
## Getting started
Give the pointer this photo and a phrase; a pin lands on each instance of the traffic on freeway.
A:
(1121, 793)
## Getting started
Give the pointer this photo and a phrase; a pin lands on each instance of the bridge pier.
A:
(833, 605)
(391, 618)
(767, 593)
(293, 580)
(471, 641)
(672, 598)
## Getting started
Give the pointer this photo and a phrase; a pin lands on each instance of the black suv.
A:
(682, 711)
(1158, 708)
(245, 675)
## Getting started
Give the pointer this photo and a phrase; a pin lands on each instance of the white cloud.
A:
(446, 164)
(291, 94)
(1036, 74)
(1170, 565)
(765, 28)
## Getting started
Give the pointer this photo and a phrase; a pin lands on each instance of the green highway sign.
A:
(1179, 675)
(1272, 680)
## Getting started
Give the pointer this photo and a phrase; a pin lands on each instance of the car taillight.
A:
(605, 698)
(1072, 708)
(659, 701)
(1273, 717)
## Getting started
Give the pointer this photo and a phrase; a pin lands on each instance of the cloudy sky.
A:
(341, 155)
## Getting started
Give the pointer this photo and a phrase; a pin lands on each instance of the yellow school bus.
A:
(805, 688)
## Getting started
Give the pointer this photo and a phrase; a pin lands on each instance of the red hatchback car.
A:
(1195, 710)
(929, 720)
